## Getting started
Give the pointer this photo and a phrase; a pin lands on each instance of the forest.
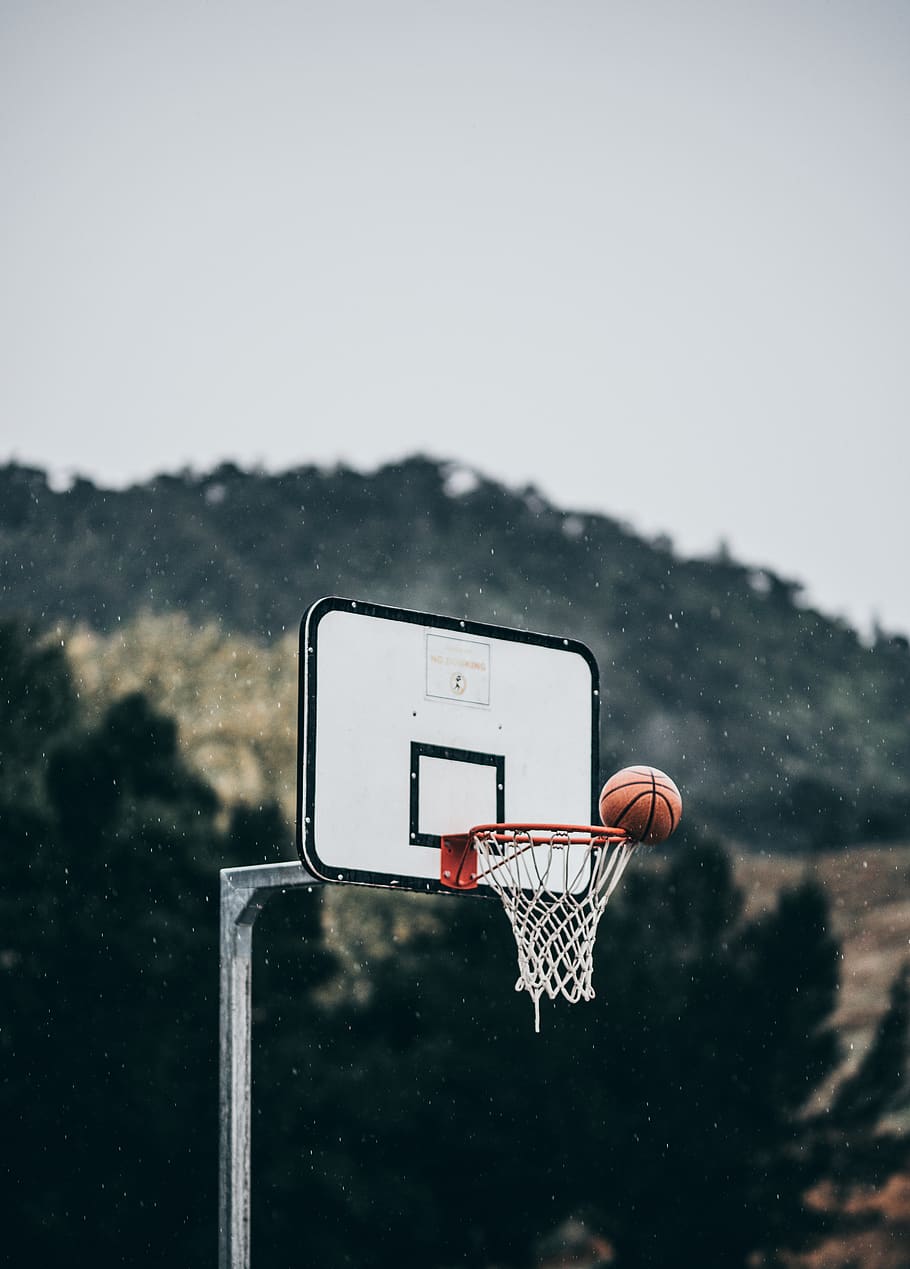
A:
(788, 729)
(706, 1109)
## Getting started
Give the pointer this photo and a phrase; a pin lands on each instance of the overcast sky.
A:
(650, 257)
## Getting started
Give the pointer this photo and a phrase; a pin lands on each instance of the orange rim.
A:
(544, 834)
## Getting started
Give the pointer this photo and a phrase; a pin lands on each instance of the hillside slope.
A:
(784, 728)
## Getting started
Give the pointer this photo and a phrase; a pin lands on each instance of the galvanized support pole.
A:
(244, 892)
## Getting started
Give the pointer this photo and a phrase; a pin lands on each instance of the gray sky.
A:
(650, 257)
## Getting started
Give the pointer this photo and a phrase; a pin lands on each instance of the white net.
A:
(554, 883)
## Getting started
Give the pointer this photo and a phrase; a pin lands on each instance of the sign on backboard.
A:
(412, 726)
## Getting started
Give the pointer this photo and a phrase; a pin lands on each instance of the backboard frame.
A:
(307, 743)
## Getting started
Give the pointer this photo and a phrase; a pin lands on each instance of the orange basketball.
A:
(643, 801)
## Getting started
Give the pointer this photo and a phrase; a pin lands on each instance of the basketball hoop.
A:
(554, 881)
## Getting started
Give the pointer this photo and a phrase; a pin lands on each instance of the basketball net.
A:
(554, 883)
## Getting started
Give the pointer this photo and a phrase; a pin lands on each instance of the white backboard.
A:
(414, 725)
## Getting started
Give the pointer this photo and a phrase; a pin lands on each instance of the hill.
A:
(785, 729)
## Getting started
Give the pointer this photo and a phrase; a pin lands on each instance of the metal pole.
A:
(244, 892)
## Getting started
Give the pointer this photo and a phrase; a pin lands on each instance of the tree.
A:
(717, 1033)
(109, 995)
(858, 1135)
(37, 704)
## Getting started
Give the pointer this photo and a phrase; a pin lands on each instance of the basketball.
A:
(643, 801)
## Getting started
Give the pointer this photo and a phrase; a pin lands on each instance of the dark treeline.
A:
(785, 729)
(423, 1124)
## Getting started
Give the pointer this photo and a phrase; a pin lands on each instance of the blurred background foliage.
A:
(786, 728)
(711, 1107)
